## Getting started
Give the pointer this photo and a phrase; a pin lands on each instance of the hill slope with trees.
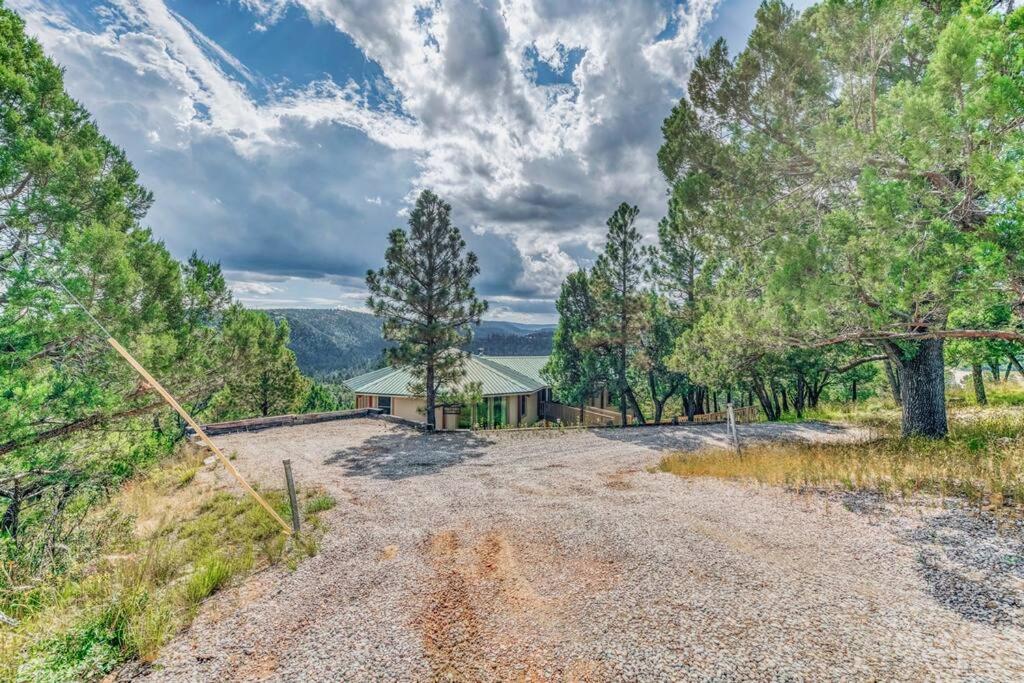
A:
(340, 343)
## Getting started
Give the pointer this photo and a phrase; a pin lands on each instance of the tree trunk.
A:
(994, 367)
(9, 521)
(765, 399)
(652, 385)
(923, 391)
(798, 401)
(637, 413)
(785, 401)
(431, 397)
(1016, 364)
(813, 394)
(853, 391)
(892, 374)
(979, 385)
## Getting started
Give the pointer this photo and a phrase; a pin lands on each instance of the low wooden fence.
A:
(599, 417)
(254, 424)
(570, 415)
(743, 415)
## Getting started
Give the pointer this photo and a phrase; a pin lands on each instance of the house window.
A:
(384, 403)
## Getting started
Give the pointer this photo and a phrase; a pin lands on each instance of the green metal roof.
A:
(497, 375)
(529, 366)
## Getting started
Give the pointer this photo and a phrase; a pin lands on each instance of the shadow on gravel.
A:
(691, 436)
(972, 567)
(407, 453)
(969, 564)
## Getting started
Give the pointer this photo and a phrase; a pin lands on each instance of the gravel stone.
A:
(559, 555)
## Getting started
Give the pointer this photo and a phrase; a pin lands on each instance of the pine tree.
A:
(574, 368)
(266, 380)
(617, 279)
(425, 298)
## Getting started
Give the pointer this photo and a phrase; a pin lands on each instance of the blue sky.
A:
(285, 138)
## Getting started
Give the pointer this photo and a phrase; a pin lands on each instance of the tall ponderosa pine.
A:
(425, 298)
(617, 278)
(574, 368)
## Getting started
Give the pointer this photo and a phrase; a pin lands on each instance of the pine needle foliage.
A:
(425, 298)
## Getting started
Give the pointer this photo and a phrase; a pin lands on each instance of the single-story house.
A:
(513, 392)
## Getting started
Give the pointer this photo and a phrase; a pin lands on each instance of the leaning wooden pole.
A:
(199, 431)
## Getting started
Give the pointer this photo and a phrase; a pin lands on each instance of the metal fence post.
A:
(732, 428)
(292, 499)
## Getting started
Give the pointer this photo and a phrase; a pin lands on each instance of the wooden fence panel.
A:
(743, 415)
(570, 415)
(599, 417)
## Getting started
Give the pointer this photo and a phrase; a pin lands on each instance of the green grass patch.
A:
(319, 503)
(180, 542)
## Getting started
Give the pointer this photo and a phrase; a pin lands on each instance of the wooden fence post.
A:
(732, 428)
(290, 481)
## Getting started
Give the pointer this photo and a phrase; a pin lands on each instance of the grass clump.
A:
(319, 503)
(211, 572)
(180, 541)
(982, 461)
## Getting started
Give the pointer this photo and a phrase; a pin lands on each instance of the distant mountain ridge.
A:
(339, 343)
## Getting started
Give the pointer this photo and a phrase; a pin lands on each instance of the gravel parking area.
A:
(546, 555)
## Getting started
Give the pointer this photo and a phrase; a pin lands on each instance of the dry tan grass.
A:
(982, 461)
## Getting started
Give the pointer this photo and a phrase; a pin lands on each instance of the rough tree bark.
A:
(1015, 364)
(979, 384)
(893, 375)
(431, 391)
(765, 399)
(798, 399)
(923, 390)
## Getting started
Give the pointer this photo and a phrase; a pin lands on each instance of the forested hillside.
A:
(341, 343)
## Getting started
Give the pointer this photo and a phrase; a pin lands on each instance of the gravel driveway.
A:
(558, 556)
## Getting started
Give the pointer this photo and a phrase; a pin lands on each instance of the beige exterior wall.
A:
(532, 408)
(415, 409)
(408, 408)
